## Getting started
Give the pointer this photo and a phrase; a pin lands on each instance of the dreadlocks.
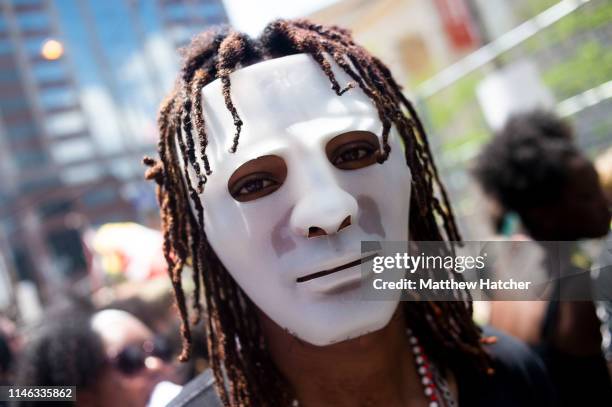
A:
(244, 372)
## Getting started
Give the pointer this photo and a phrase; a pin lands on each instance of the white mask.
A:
(290, 112)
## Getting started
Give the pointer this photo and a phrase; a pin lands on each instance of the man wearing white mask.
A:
(278, 157)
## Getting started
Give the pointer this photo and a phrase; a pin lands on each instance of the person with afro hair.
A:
(534, 171)
(534, 168)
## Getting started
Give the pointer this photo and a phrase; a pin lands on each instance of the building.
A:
(80, 82)
(414, 38)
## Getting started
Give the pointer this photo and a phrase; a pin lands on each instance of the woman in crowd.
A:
(111, 358)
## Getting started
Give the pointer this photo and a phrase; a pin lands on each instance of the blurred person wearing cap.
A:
(549, 191)
(111, 357)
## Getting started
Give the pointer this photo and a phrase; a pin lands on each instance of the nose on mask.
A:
(325, 213)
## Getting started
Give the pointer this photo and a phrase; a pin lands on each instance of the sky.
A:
(252, 16)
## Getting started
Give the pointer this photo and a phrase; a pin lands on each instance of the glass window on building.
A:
(33, 45)
(6, 45)
(65, 123)
(49, 70)
(104, 123)
(8, 106)
(27, 158)
(81, 174)
(180, 35)
(21, 131)
(27, 2)
(76, 149)
(40, 183)
(100, 196)
(57, 97)
(9, 76)
(34, 20)
(122, 168)
(210, 11)
(176, 11)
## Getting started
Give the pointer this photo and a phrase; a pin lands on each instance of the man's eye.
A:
(257, 178)
(254, 186)
(257, 185)
(354, 155)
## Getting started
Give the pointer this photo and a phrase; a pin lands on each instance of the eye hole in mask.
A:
(353, 150)
(257, 178)
(264, 175)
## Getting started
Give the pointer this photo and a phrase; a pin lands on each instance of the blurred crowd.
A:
(115, 355)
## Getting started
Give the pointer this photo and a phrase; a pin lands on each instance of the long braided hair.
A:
(244, 372)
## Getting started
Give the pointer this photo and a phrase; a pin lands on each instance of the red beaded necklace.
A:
(435, 386)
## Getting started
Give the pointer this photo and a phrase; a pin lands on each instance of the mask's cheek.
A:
(281, 238)
(252, 235)
(395, 191)
(252, 240)
(370, 216)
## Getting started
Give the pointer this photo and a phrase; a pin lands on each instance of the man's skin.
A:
(376, 369)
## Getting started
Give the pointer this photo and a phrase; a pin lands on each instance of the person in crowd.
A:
(602, 270)
(9, 348)
(603, 165)
(6, 364)
(159, 316)
(536, 173)
(6, 361)
(111, 357)
(534, 168)
(156, 313)
(278, 155)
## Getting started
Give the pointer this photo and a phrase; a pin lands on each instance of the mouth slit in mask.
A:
(339, 268)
